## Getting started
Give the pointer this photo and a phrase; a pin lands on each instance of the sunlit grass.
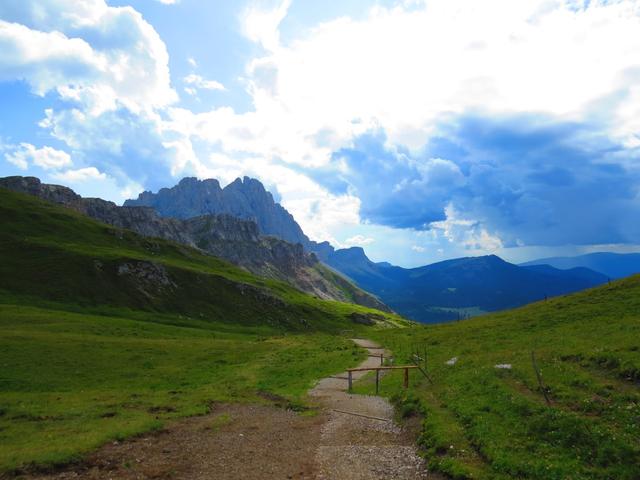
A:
(484, 422)
(70, 382)
(88, 355)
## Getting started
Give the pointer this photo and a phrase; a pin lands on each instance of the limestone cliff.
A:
(246, 199)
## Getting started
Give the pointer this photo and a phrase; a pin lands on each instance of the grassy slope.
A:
(70, 382)
(483, 422)
(50, 253)
(87, 357)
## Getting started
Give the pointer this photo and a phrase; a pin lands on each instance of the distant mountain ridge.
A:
(233, 239)
(613, 265)
(453, 288)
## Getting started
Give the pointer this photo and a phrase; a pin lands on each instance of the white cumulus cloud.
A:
(99, 56)
(403, 70)
(80, 175)
(358, 240)
(46, 157)
(195, 82)
(400, 70)
(465, 232)
(260, 23)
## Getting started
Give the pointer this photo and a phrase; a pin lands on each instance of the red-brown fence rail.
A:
(377, 370)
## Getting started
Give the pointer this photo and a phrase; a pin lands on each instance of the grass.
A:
(220, 421)
(70, 382)
(484, 422)
(89, 354)
(55, 257)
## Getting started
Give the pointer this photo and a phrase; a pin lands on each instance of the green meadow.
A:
(484, 422)
(70, 382)
(88, 355)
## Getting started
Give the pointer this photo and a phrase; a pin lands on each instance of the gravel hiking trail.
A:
(354, 447)
(264, 442)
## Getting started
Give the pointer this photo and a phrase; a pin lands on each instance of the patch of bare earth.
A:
(266, 442)
(233, 442)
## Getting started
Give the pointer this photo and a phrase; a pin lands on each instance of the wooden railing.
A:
(377, 370)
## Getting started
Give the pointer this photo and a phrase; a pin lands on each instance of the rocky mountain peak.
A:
(244, 198)
(33, 186)
(354, 255)
(193, 183)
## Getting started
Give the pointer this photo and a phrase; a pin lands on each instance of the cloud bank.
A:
(518, 179)
(480, 125)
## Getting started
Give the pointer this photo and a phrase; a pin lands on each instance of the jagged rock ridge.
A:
(243, 198)
(223, 235)
(246, 199)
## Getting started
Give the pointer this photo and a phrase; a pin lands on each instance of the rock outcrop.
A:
(223, 235)
(245, 199)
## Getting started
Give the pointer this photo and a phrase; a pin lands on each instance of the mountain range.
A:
(242, 223)
(57, 258)
(237, 240)
(439, 292)
(457, 288)
(243, 198)
(613, 265)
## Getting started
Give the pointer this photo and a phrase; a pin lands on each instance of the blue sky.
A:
(420, 130)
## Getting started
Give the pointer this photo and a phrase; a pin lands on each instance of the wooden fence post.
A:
(381, 359)
(377, 380)
(406, 378)
(350, 381)
(541, 384)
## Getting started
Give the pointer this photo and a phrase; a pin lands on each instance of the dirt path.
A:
(266, 442)
(354, 447)
(233, 442)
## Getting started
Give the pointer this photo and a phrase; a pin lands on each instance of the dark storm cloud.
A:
(529, 179)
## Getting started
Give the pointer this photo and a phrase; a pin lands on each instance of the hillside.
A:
(230, 238)
(53, 253)
(456, 288)
(613, 265)
(485, 422)
(106, 334)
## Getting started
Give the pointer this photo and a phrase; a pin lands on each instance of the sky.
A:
(419, 130)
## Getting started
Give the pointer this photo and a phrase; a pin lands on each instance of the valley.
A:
(107, 334)
(303, 240)
(115, 344)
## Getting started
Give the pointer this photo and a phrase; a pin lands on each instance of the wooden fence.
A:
(377, 370)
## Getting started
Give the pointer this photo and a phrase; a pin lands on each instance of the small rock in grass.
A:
(452, 361)
(505, 366)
